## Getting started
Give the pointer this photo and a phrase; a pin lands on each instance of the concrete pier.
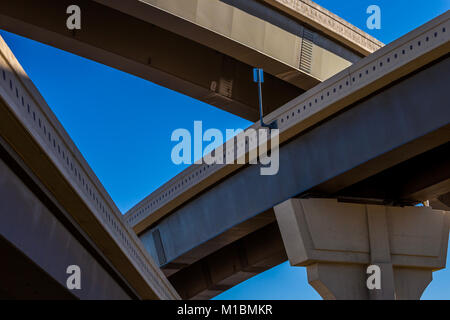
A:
(337, 242)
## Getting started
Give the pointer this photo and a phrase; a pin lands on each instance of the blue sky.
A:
(122, 125)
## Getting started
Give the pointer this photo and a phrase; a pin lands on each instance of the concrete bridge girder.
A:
(307, 156)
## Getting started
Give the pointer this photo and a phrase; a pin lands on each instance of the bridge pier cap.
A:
(360, 251)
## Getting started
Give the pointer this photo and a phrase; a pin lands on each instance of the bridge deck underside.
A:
(22, 279)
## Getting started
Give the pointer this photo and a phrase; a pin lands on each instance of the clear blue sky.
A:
(122, 125)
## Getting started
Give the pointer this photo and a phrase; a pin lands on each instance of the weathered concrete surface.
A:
(338, 241)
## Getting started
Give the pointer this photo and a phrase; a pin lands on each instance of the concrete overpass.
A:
(53, 200)
(375, 135)
(55, 213)
(202, 48)
(337, 142)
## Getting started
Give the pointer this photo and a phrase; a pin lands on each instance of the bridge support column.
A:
(359, 251)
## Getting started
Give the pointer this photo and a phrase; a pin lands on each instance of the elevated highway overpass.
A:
(362, 136)
(202, 48)
(55, 213)
(54, 210)
(376, 133)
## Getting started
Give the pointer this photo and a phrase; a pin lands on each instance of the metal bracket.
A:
(258, 77)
